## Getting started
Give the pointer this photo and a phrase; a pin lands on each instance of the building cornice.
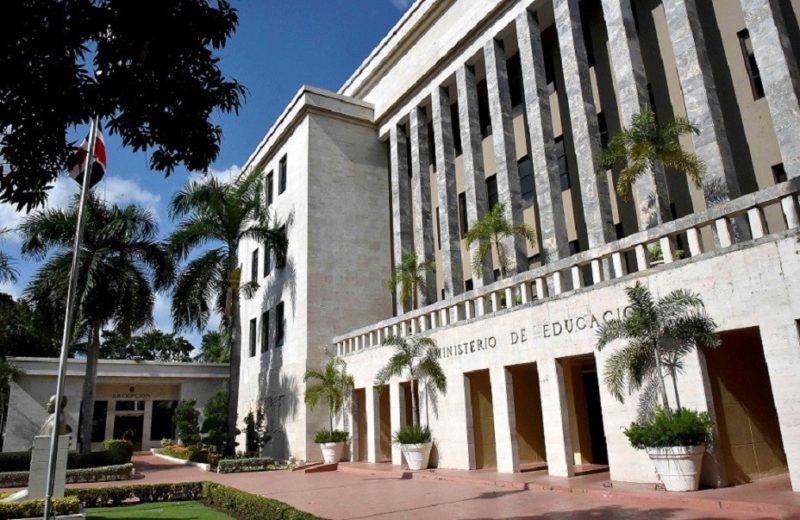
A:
(33, 366)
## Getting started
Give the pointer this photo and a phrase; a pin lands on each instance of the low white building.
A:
(132, 398)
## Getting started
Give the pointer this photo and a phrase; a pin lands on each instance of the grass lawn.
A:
(163, 510)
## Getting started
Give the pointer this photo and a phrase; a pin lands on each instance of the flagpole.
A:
(67, 335)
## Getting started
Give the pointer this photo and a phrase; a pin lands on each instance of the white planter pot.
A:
(331, 451)
(678, 466)
(417, 455)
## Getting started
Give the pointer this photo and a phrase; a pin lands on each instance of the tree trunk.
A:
(89, 383)
(233, 379)
(414, 404)
(661, 377)
(501, 256)
(675, 388)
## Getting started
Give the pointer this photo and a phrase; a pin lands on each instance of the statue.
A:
(49, 424)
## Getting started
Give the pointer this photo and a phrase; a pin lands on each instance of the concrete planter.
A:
(331, 451)
(417, 455)
(678, 467)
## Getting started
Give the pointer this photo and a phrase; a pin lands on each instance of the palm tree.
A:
(490, 231)
(650, 145)
(223, 214)
(409, 274)
(333, 386)
(7, 271)
(659, 333)
(418, 358)
(121, 263)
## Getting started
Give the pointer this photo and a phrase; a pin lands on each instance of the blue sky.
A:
(277, 47)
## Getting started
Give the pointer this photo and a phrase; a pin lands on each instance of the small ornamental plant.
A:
(681, 427)
(326, 436)
(412, 434)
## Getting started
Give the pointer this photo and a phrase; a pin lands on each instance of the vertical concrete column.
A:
(555, 419)
(505, 425)
(448, 196)
(472, 159)
(396, 407)
(701, 100)
(779, 75)
(401, 212)
(781, 342)
(421, 200)
(552, 222)
(627, 67)
(505, 157)
(373, 417)
(583, 120)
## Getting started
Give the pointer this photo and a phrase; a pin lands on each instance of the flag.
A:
(75, 163)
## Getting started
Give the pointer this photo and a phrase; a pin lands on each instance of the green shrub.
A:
(247, 464)
(323, 436)
(215, 422)
(144, 493)
(187, 422)
(120, 450)
(35, 508)
(15, 460)
(240, 504)
(21, 460)
(190, 453)
(101, 474)
(166, 442)
(682, 428)
(410, 434)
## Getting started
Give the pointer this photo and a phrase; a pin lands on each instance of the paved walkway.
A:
(355, 493)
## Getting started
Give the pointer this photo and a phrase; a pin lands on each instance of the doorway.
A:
(408, 410)
(528, 416)
(360, 402)
(585, 410)
(750, 436)
(129, 428)
(385, 421)
(480, 392)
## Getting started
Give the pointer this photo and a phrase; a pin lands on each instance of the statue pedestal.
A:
(37, 482)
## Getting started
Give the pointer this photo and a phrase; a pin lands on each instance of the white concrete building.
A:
(466, 104)
(135, 399)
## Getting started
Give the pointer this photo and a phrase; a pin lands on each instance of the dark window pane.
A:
(269, 187)
(751, 64)
(252, 338)
(267, 260)
(438, 230)
(619, 230)
(515, 79)
(431, 146)
(563, 165)
(456, 128)
(99, 421)
(462, 213)
(491, 191)
(484, 116)
(282, 175)
(602, 125)
(254, 266)
(279, 325)
(468, 285)
(162, 426)
(280, 262)
(526, 178)
(574, 247)
(779, 173)
(264, 331)
(125, 406)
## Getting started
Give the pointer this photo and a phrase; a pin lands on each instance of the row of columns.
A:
(780, 77)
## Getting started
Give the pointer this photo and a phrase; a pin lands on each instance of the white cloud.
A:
(226, 174)
(161, 312)
(118, 190)
(402, 4)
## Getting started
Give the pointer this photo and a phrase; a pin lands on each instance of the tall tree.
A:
(121, 264)
(409, 274)
(157, 83)
(24, 333)
(223, 214)
(490, 231)
(331, 385)
(214, 348)
(152, 345)
(7, 271)
(648, 144)
(658, 335)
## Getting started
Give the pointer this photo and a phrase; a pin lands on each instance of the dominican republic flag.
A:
(76, 161)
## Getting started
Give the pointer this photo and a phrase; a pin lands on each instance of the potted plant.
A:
(659, 334)
(333, 386)
(656, 257)
(417, 358)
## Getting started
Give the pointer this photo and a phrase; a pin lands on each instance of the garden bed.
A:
(101, 474)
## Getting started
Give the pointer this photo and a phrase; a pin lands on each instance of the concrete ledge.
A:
(202, 465)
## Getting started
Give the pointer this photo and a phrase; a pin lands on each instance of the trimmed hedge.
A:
(246, 464)
(101, 474)
(35, 508)
(191, 453)
(21, 460)
(234, 502)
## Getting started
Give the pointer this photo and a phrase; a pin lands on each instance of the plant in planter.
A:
(659, 334)
(656, 257)
(333, 385)
(417, 358)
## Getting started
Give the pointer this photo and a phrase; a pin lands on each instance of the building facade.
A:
(135, 400)
(466, 104)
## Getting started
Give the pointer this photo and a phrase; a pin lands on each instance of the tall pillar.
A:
(401, 212)
(373, 417)
(472, 159)
(703, 108)
(552, 222)
(396, 407)
(421, 200)
(505, 426)
(627, 67)
(505, 157)
(448, 196)
(779, 75)
(583, 121)
(555, 419)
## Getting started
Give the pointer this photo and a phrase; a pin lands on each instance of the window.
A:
(651, 97)
(269, 188)
(254, 266)
(587, 36)
(491, 191)
(438, 230)
(561, 161)
(267, 260)
(99, 421)
(431, 146)
(442, 298)
(462, 214)
(619, 230)
(515, 80)
(129, 406)
(279, 325)
(574, 247)
(468, 285)
(162, 426)
(252, 338)
(779, 173)
(484, 116)
(265, 331)
(602, 126)
(456, 128)
(549, 46)
(496, 274)
(750, 64)
(282, 175)
(280, 260)
(525, 168)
